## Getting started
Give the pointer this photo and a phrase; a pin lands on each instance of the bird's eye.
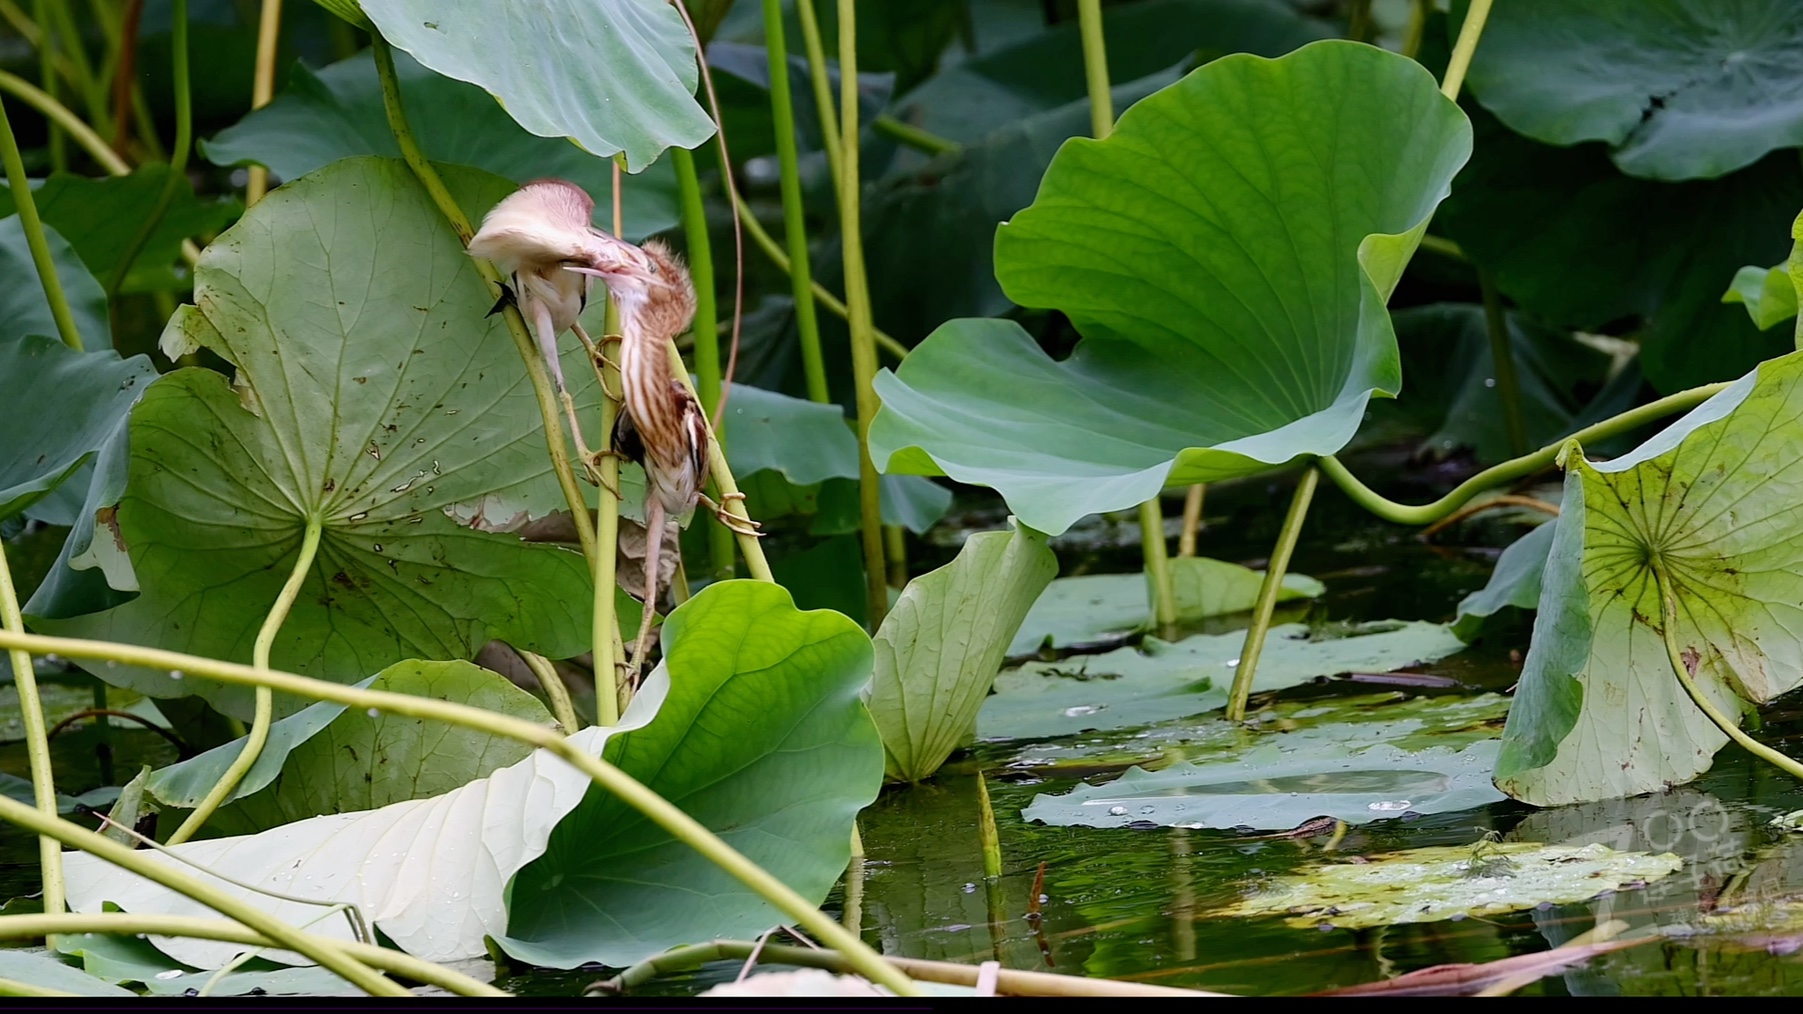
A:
(654, 270)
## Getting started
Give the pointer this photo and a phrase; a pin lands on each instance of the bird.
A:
(663, 427)
(530, 236)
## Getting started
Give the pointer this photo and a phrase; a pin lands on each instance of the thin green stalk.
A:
(1008, 982)
(63, 117)
(721, 475)
(610, 778)
(265, 706)
(1515, 468)
(606, 629)
(822, 87)
(1267, 595)
(262, 88)
(1502, 357)
(1158, 563)
(1095, 67)
(821, 295)
(795, 230)
(908, 134)
(562, 708)
(706, 329)
(329, 954)
(1358, 25)
(178, 159)
(46, 43)
(1411, 36)
(127, 925)
(37, 742)
(857, 301)
(1681, 668)
(1469, 33)
(91, 90)
(550, 413)
(895, 552)
(34, 235)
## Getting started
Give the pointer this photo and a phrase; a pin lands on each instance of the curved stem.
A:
(34, 234)
(720, 473)
(1515, 468)
(821, 294)
(822, 87)
(706, 328)
(178, 158)
(1681, 668)
(801, 275)
(37, 741)
(630, 790)
(548, 408)
(1469, 33)
(64, 117)
(1157, 563)
(1095, 67)
(858, 319)
(327, 953)
(265, 707)
(262, 88)
(914, 137)
(126, 924)
(1505, 500)
(1267, 596)
(562, 708)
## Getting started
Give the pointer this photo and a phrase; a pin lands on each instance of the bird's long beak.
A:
(610, 258)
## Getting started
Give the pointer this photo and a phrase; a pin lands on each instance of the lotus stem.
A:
(39, 35)
(908, 134)
(1157, 563)
(37, 741)
(34, 235)
(706, 328)
(628, 789)
(1267, 595)
(262, 88)
(264, 714)
(822, 87)
(1515, 468)
(606, 630)
(1192, 520)
(548, 409)
(801, 277)
(1095, 68)
(178, 158)
(1469, 33)
(562, 708)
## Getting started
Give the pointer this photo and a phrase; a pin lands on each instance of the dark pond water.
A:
(1140, 904)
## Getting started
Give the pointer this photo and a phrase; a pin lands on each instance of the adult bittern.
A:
(532, 235)
(663, 427)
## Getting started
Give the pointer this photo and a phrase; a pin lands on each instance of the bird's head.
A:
(650, 284)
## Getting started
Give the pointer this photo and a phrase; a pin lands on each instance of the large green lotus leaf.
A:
(1678, 89)
(364, 762)
(1281, 785)
(1575, 242)
(337, 112)
(380, 401)
(938, 650)
(1515, 581)
(36, 968)
(1451, 882)
(967, 101)
(1712, 499)
(614, 77)
(1159, 681)
(1226, 256)
(805, 442)
(1092, 608)
(62, 406)
(761, 736)
(100, 219)
(429, 873)
(23, 308)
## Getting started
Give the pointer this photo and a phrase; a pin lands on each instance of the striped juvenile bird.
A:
(531, 236)
(663, 427)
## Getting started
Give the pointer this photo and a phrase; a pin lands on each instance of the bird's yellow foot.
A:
(740, 525)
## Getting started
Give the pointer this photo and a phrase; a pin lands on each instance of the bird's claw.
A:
(739, 525)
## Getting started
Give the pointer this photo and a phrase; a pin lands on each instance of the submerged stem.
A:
(1515, 468)
(1267, 596)
(628, 789)
(37, 741)
(265, 706)
(178, 157)
(1681, 668)
(516, 325)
